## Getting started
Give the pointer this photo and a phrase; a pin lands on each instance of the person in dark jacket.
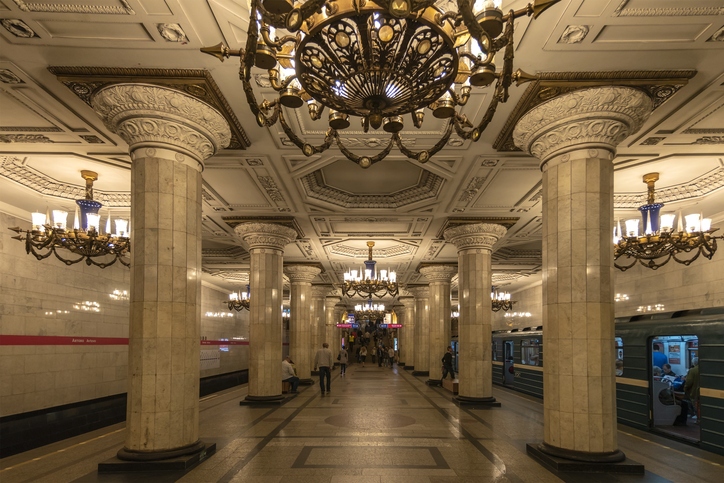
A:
(447, 365)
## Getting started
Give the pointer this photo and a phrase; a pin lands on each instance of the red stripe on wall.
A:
(60, 340)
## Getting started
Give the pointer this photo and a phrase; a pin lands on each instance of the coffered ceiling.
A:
(55, 53)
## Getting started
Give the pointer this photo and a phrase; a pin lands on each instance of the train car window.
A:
(619, 356)
(495, 351)
(530, 352)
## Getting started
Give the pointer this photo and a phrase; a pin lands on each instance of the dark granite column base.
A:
(306, 382)
(433, 382)
(487, 402)
(134, 461)
(409, 368)
(420, 373)
(266, 401)
(563, 460)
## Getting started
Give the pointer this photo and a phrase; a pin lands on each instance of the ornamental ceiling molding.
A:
(230, 253)
(428, 188)
(398, 250)
(702, 118)
(198, 83)
(15, 169)
(511, 256)
(123, 9)
(696, 188)
(234, 276)
(660, 85)
(688, 11)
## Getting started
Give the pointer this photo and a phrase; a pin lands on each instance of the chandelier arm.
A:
(465, 8)
(305, 147)
(279, 42)
(507, 74)
(425, 155)
(355, 158)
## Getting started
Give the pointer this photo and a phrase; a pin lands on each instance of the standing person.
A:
(288, 373)
(380, 355)
(323, 361)
(691, 386)
(392, 357)
(363, 355)
(447, 365)
(343, 357)
(659, 357)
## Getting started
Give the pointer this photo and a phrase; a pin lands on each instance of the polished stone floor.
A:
(377, 425)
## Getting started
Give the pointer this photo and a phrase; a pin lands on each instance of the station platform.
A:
(377, 425)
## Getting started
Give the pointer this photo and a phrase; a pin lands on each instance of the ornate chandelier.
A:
(239, 300)
(501, 301)
(85, 241)
(659, 243)
(369, 311)
(367, 283)
(378, 60)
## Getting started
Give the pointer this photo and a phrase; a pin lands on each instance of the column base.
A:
(266, 401)
(409, 368)
(482, 402)
(306, 382)
(559, 459)
(181, 459)
(420, 373)
(433, 382)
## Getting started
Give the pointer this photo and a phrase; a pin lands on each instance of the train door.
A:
(672, 410)
(508, 369)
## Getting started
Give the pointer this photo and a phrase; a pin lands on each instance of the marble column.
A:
(266, 242)
(408, 332)
(319, 312)
(575, 137)
(301, 307)
(474, 243)
(422, 331)
(439, 277)
(169, 135)
(331, 317)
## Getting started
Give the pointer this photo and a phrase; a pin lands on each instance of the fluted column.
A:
(575, 137)
(408, 332)
(439, 277)
(331, 327)
(169, 135)
(332, 315)
(301, 306)
(474, 243)
(266, 242)
(319, 314)
(422, 331)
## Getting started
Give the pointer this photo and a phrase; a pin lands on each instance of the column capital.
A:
(332, 300)
(265, 235)
(599, 117)
(421, 292)
(475, 235)
(439, 273)
(408, 302)
(320, 291)
(145, 115)
(301, 273)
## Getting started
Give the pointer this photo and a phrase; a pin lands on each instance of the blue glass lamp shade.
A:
(650, 215)
(86, 207)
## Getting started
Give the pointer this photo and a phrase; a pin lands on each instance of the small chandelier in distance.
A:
(660, 243)
(369, 311)
(367, 283)
(379, 61)
(85, 241)
(501, 301)
(239, 300)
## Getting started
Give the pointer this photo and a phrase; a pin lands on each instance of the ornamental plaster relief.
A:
(439, 273)
(142, 113)
(301, 273)
(602, 116)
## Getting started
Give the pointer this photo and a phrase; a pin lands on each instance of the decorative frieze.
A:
(265, 235)
(475, 236)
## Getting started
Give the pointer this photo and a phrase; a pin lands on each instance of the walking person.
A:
(323, 361)
(343, 357)
(391, 355)
(447, 365)
(363, 355)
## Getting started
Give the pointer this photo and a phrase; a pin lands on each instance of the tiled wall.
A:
(528, 300)
(35, 377)
(31, 294)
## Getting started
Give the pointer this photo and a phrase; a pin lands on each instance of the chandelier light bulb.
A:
(632, 227)
(59, 219)
(38, 221)
(706, 224)
(121, 227)
(692, 223)
(667, 222)
(94, 221)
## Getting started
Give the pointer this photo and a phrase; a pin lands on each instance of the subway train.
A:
(645, 399)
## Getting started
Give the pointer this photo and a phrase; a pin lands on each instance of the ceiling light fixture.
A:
(367, 283)
(369, 311)
(659, 242)
(501, 301)
(378, 60)
(85, 241)
(239, 300)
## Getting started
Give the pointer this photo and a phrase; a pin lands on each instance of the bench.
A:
(286, 387)
(450, 385)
